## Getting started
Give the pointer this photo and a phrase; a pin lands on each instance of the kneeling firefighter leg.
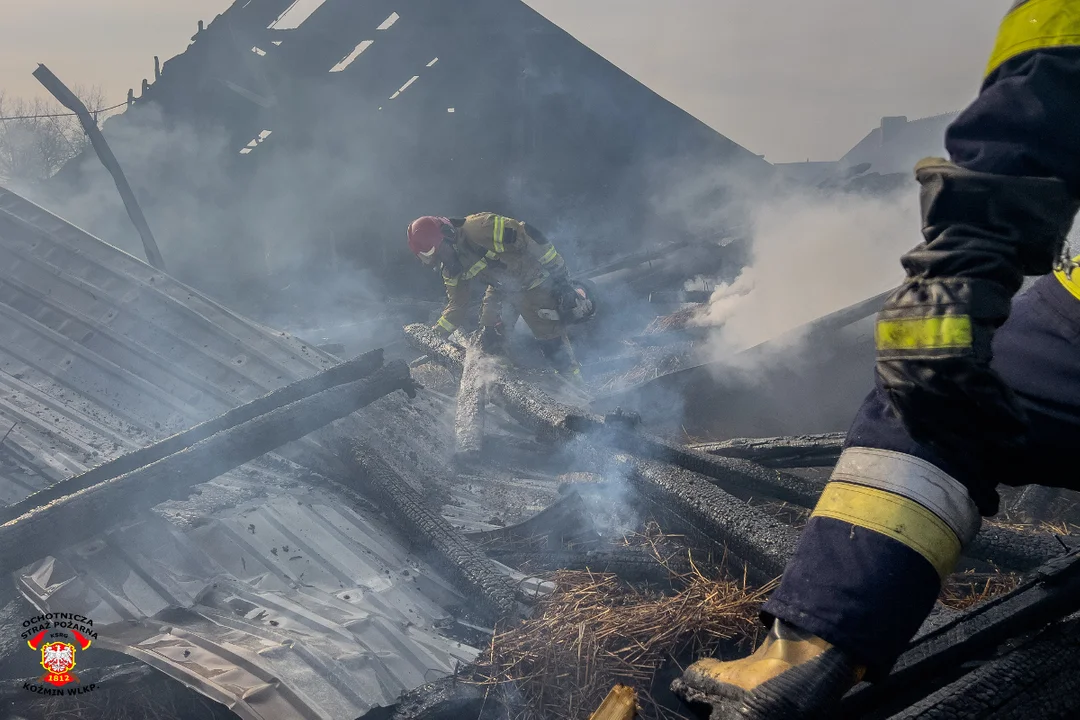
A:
(867, 570)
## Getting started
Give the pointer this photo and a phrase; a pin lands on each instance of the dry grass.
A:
(596, 631)
(965, 590)
(1056, 527)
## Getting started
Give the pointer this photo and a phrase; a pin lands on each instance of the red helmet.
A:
(426, 235)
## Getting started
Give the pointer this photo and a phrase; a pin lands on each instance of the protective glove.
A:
(983, 233)
(566, 297)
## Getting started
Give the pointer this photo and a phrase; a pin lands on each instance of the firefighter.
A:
(520, 268)
(971, 389)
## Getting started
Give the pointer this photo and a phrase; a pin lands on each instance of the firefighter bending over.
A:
(972, 390)
(519, 267)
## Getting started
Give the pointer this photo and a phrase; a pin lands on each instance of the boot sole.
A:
(706, 704)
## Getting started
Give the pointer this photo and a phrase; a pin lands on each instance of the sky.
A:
(789, 79)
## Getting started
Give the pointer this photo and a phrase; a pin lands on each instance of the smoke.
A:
(261, 237)
(811, 253)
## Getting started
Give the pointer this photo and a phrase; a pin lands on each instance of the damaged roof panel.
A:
(305, 592)
(103, 354)
(266, 594)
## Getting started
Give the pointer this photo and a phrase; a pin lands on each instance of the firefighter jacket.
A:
(1024, 121)
(498, 252)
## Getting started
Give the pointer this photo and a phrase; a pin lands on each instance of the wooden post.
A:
(131, 97)
(105, 155)
(157, 68)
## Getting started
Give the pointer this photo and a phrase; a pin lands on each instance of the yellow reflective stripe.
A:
(476, 268)
(550, 255)
(489, 255)
(1068, 281)
(1036, 25)
(895, 517)
(446, 325)
(500, 227)
(450, 281)
(934, 333)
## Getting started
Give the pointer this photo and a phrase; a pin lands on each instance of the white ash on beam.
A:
(470, 412)
(794, 451)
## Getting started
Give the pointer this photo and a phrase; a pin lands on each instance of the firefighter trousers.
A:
(532, 305)
(866, 592)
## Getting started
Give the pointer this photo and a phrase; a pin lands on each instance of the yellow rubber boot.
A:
(793, 676)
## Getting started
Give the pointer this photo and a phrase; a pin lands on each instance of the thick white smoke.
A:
(812, 253)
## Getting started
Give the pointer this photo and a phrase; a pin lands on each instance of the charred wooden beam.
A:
(691, 503)
(563, 521)
(939, 657)
(742, 478)
(356, 369)
(797, 451)
(492, 592)
(1035, 502)
(81, 515)
(68, 99)
(538, 411)
(1014, 549)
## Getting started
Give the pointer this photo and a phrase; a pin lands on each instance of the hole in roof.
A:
(348, 59)
(388, 22)
(296, 14)
(449, 109)
(402, 88)
(433, 62)
(258, 51)
(255, 142)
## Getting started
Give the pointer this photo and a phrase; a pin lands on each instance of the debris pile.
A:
(596, 630)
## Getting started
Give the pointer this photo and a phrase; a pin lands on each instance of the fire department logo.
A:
(59, 659)
(58, 637)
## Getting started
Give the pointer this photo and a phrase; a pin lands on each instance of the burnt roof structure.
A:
(339, 126)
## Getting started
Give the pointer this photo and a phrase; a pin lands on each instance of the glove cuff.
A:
(940, 318)
(1025, 219)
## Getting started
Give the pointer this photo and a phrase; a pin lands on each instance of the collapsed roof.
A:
(286, 587)
(317, 606)
(301, 138)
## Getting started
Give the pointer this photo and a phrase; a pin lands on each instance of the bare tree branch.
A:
(34, 148)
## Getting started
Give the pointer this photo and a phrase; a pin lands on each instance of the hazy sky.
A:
(790, 79)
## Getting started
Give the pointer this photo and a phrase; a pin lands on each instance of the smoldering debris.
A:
(595, 631)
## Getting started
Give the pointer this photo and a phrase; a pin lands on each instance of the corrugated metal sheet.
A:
(265, 594)
(284, 607)
(100, 353)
